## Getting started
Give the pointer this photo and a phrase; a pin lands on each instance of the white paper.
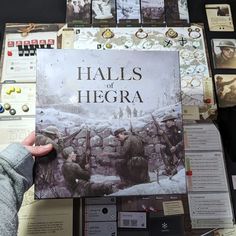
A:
(210, 210)
(173, 207)
(15, 130)
(45, 217)
(202, 137)
(208, 172)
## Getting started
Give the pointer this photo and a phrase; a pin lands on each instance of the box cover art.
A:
(115, 121)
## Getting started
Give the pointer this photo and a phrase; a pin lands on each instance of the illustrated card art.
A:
(226, 89)
(224, 55)
(219, 17)
(115, 123)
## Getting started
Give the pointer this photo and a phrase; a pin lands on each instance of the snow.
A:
(102, 178)
(61, 119)
(176, 185)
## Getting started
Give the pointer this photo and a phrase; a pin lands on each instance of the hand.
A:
(87, 166)
(160, 132)
(36, 150)
(173, 149)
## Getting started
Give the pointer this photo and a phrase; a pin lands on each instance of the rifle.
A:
(174, 171)
(71, 136)
(87, 147)
(166, 139)
(131, 128)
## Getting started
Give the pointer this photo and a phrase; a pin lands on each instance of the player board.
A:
(197, 89)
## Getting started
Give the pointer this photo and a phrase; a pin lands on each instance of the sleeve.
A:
(228, 82)
(81, 173)
(16, 165)
(180, 145)
(125, 149)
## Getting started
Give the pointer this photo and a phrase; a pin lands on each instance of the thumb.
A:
(39, 150)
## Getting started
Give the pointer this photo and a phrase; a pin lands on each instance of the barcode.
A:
(126, 222)
(132, 223)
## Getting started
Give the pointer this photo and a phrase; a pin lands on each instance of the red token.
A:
(208, 100)
(9, 53)
(189, 173)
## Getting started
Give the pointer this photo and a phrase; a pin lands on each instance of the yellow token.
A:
(108, 45)
(8, 91)
(171, 33)
(12, 89)
(107, 34)
(18, 90)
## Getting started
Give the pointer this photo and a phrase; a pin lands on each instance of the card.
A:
(78, 13)
(68, 36)
(166, 226)
(153, 12)
(173, 207)
(103, 13)
(208, 172)
(219, 17)
(183, 11)
(104, 213)
(223, 51)
(226, 90)
(191, 112)
(212, 210)
(176, 13)
(132, 220)
(128, 12)
(202, 137)
(100, 229)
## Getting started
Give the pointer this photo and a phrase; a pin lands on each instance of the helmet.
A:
(67, 151)
(219, 78)
(118, 131)
(168, 117)
(51, 130)
(226, 43)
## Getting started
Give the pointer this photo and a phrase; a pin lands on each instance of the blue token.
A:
(1, 109)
